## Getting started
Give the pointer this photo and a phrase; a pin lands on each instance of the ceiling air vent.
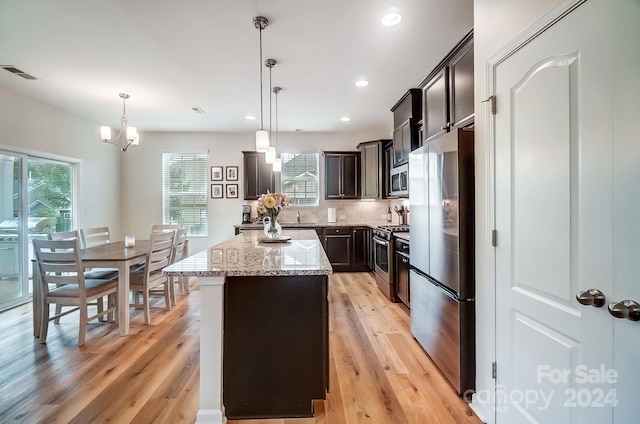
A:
(18, 72)
(197, 110)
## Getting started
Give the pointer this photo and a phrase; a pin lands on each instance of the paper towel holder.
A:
(331, 215)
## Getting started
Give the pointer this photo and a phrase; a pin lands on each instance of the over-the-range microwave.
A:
(399, 184)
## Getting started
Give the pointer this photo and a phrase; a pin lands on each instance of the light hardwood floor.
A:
(379, 374)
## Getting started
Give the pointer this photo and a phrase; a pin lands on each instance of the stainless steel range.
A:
(383, 257)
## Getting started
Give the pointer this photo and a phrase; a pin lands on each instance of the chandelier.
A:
(128, 136)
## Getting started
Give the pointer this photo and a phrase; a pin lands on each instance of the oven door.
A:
(382, 266)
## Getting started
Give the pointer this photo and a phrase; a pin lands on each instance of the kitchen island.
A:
(264, 336)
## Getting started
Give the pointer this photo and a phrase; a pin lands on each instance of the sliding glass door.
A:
(12, 241)
(36, 198)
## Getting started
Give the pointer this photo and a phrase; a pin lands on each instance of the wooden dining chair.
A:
(92, 274)
(143, 281)
(94, 236)
(63, 283)
(179, 252)
(101, 237)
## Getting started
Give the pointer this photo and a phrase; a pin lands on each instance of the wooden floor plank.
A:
(378, 372)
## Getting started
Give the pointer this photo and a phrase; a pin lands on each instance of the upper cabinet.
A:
(407, 113)
(373, 168)
(342, 175)
(447, 93)
(258, 176)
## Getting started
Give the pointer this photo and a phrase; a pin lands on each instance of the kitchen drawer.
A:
(401, 246)
(337, 231)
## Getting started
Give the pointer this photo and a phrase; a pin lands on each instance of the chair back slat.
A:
(160, 251)
(94, 236)
(64, 235)
(162, 228)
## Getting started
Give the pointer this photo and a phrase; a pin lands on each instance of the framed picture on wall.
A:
(216, 191)
(216, 173)
(232, 173)
(232, 191)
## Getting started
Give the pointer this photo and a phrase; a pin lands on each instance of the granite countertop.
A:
(244, 255)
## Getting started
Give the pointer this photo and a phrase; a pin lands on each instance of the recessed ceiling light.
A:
(250, 117)
(391, 18)
(345, 119)
(362, 83)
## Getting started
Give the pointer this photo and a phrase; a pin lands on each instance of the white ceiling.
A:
(172, 55)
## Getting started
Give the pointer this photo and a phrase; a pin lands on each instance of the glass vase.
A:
(271, 227)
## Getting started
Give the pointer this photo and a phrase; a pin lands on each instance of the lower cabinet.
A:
(337, 244)
(347, 248)
(401, 271)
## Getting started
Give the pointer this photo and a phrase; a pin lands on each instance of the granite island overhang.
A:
(264, 332)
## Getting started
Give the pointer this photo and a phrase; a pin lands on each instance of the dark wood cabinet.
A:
(337, 245)
(372, 168)
(342, 175)
(258, 176)
(407, 112)
(401, 271)
(361, 249)
(436, 112)
(447, 93)
(461, 87)
(347, 248)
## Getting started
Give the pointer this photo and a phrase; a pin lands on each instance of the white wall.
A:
(33, 127)
(142, 168)
(496, 23)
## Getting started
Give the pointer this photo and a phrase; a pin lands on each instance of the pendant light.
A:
(270, 154)
(262, 136)
(277, 164)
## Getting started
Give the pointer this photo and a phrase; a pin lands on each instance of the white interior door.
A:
(554, 213)
(626, 193)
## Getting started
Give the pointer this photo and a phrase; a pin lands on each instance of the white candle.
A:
(129, 241)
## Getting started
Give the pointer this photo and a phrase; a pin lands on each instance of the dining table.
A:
(110, 255)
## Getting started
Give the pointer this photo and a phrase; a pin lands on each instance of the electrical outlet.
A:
(342, 217)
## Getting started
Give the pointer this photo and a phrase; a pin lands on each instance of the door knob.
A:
(593, 297)
(628, 309)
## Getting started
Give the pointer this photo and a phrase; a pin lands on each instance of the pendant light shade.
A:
(277, 165)
(262, 141)
(262, 136)
(270, 155)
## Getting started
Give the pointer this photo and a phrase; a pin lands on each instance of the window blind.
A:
(184, 191)
(299, 178)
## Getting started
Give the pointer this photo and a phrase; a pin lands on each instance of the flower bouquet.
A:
(271, 204)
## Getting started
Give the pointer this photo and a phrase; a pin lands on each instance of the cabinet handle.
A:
(404, 260)
(337, 231)
(446, 127)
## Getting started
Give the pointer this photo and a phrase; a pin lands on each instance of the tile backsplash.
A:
(348, 211)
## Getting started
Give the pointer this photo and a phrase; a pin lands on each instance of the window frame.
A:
(201, 171)
(283, 181)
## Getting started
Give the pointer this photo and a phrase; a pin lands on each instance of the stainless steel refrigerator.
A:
(442, 280)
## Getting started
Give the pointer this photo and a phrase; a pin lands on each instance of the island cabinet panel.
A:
(276, 346)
